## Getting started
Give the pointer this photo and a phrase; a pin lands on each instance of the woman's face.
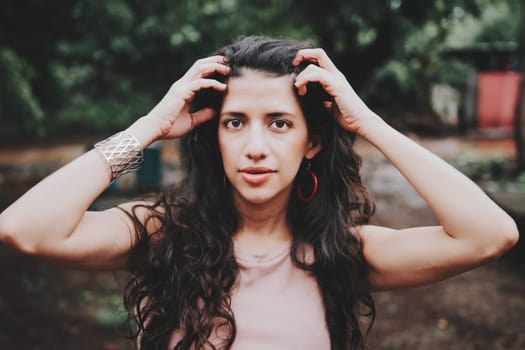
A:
(263, 136)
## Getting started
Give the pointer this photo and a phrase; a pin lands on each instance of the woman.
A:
(265, 243)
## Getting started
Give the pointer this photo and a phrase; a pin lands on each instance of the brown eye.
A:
(232, 123)
(281, 124)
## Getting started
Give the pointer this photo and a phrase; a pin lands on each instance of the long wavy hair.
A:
(184, 271)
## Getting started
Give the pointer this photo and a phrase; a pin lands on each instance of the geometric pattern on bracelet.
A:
(123, 152)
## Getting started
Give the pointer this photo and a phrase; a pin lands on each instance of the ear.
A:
(313, 147)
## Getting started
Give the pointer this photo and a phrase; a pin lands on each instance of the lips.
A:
(256, 175)
(257, 170)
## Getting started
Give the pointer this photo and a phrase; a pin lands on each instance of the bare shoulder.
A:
(145, 213)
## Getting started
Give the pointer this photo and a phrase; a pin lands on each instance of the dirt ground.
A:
(44, 307)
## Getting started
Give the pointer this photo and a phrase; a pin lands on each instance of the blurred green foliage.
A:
(79, 66)
(489, 169)
(19, 107)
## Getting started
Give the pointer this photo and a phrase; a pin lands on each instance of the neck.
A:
(262, 224)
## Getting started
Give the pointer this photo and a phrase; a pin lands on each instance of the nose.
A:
(256, 144)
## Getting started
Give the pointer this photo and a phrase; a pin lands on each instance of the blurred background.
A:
(446, 73)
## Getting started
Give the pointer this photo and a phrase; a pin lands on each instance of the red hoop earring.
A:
(315, 186)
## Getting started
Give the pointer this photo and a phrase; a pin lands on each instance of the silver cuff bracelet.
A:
(123, 152)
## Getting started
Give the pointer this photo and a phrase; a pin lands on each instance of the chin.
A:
(257, 197)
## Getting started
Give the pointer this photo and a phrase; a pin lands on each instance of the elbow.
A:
(11, 237)
(506, 238)
(513, 236)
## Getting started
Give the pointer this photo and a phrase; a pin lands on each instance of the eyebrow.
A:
(276, 114)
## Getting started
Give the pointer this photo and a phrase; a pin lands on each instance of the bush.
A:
(20, 111)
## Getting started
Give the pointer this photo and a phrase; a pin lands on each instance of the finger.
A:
(202, 115)
(210, 68)
(312, 74)
(211, 59)
(211, 84)
(203, 83)
(205, 69)
(209, 65)
(301, 90)
(316, 56)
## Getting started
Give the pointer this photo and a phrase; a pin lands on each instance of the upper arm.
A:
(415, 256)
(101, 241)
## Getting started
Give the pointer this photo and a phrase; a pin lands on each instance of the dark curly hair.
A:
(183, 273)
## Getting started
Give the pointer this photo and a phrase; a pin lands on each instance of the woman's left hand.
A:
(348, 108)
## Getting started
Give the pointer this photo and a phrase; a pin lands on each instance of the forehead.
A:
(254, 89)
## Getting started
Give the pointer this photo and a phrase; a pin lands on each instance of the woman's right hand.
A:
(171, 118)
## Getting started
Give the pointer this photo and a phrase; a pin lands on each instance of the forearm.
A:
(462, 208)
(51, 210)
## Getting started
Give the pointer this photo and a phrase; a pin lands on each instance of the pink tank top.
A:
(276, 305)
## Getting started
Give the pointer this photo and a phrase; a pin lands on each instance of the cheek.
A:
(226, 150)
(297, 146)
(292, 154)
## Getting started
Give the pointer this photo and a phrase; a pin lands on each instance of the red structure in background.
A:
(497, 100)
(491, 98)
